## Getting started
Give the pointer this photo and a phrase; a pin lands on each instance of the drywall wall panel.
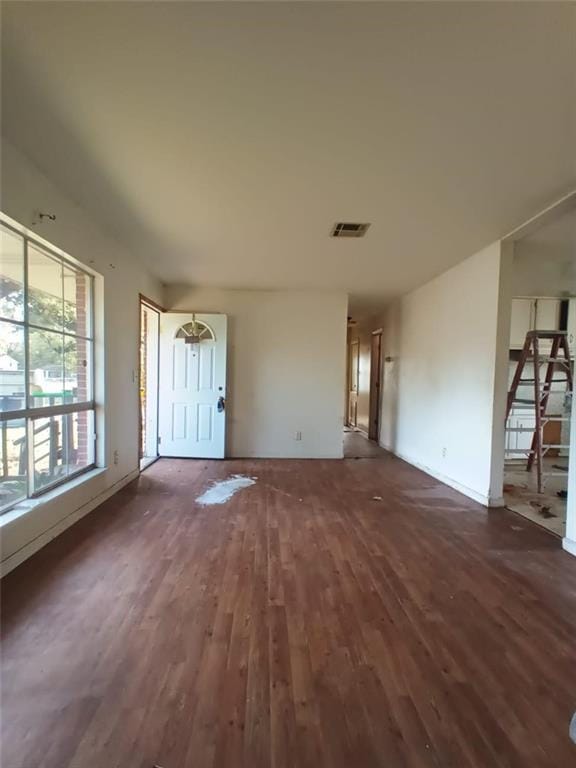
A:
(286, 368)
(439, 380)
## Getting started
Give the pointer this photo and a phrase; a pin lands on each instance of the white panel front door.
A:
(192, 384)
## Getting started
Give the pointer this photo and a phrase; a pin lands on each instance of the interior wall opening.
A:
(353, 376)
(375, 385)
(542, 348)
(363, 390)
(544, 377)
(149, 375)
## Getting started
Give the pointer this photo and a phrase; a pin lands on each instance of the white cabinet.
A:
(540, 314)
(547, 314)
(519, 433)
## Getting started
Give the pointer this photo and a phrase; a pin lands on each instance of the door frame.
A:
(144, 301)
(375, 385)
(352, 343)
(217, 322)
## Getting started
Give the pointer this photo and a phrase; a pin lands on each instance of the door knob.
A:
(221, 404)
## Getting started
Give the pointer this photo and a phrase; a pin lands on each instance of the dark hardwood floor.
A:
(301, 624)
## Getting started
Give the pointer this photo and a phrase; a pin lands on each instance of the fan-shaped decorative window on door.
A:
(195, 332)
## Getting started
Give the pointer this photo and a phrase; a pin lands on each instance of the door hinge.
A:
(159, 439)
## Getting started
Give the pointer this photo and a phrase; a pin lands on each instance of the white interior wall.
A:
(438, 404)
(24, 190)
(286, 368)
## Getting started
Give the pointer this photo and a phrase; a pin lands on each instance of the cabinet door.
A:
(520, 419)
(521, 323)
(547, 314)
(547, 319)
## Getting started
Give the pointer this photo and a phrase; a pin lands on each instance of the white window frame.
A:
(29, 413)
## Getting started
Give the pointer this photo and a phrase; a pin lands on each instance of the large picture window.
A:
(46, 368)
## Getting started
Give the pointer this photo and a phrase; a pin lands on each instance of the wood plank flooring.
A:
(302, 624)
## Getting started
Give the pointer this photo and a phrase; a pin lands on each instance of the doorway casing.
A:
(192, 385)
(148, 381)
(375, 384)
(568, 203)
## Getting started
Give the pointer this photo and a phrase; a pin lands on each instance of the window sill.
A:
(29, 505)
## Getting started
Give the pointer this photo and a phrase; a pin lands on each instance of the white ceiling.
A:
(222, 141)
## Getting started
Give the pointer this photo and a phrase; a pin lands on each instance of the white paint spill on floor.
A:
(222, 491)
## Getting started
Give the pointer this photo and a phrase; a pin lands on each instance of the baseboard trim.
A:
(569, 545)
(486, 501)
(44, 538)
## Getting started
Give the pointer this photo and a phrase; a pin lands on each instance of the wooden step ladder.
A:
(557, 359)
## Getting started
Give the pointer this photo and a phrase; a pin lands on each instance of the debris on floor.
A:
(545, 512)
(377, 498)
(542, 509)
(223, 490)
(548, 508)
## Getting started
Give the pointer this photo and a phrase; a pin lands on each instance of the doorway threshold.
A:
(358, 446)
(145, 462)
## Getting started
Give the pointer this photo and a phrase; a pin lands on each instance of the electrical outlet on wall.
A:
(298, 436)
(115, 457)
(444, 452)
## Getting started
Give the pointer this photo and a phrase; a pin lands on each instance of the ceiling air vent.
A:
(346, 229)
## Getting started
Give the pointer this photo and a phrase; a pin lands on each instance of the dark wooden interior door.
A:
(375, 385)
